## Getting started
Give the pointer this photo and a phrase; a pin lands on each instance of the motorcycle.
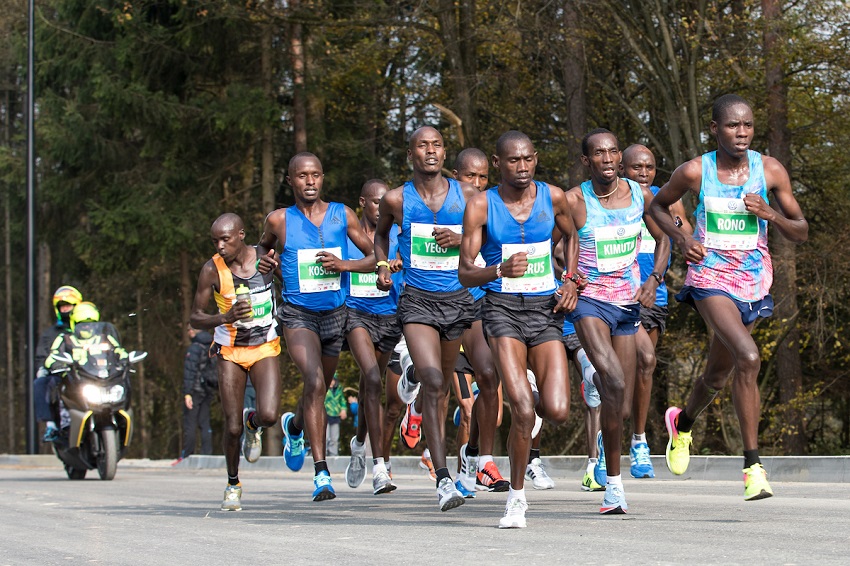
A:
(96, 422)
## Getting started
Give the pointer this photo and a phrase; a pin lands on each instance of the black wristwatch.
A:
(658, 277)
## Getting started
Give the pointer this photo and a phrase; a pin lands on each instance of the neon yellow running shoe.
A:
(589, 484)
(755, 483)
(679, 445)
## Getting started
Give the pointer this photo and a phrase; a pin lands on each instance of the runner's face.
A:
(306, 178)
(370, 202)
(735, 130)
(227, 241)
(426, 151)
(603, 158)
(475, 171)
(517, 164)
(639, 167)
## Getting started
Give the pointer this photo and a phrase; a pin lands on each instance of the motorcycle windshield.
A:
(96, 349)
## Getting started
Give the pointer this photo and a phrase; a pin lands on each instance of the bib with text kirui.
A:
(261, 304)
(647, 242)
(426, 254)
(728, 224)
(538, 276)
(616, 246)
(312, 277)
(363, 286)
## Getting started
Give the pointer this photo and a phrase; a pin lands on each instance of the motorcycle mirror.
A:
(136, 356)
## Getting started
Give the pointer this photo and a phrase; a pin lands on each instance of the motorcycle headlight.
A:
(101, 395)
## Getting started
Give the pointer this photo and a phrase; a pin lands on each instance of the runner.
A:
(245, 339)
(434, 308)
(512, 227)
(638, 164)
(607, 211)
(314, 236)
(372, 333)
(729, 273)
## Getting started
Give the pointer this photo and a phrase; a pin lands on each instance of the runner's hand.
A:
(396, 265)
(268, 262)
(330, 262)
(446, 238)
(239, 310)
(755, 204)
(567, 297)
(693, 251)
(384, 282)
(516, 265)
(646, 293)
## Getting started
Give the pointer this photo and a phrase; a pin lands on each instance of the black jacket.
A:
(199, 369)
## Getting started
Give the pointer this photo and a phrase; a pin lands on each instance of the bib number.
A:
(538, 276)
(312, 277)
(426, 254)
(363, 286)
(729, 225)
(616, 246)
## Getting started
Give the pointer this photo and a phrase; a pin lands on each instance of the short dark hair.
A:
(585, 146)
(723, 103)
(469, 154)
(508, 137)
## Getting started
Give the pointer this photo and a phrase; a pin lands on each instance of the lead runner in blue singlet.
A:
(314, 235)
(434, 309)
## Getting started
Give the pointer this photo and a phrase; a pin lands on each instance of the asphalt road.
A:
(164, 515)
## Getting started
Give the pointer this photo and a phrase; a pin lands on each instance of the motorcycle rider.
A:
(64, 300)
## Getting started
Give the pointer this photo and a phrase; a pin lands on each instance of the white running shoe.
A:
(538, 420)
(468, 470)
(536, 473)
(382, 483)
(448, 496)
(232, 498)
(514, 514)
(407, 389)
(355, 472)
(252, 441)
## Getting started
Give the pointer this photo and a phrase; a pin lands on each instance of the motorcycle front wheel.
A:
(107, 462)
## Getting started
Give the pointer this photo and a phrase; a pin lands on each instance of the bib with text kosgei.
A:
(363, 286)
(616, 246)
(647, 242)
(538, 277)
(312, 277)
(261, 303)
(426, 254)
(728, 224)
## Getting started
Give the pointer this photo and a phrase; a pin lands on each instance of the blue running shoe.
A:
(293, 446)
(463, 491)
(600, 471)
(324, 490)
(641, 463)
(456, 416)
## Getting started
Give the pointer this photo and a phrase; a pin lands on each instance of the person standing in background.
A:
(200, 383)
(335, 407)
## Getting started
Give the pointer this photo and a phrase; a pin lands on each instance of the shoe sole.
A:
(455, 501)
(763, 494)
(496, 487)
(234, 509)
(618, 510)
(385, 489)
(324, 495)
(585, 488)
(513, 525)
(354, 485)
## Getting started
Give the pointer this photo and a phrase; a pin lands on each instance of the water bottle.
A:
(243, 293)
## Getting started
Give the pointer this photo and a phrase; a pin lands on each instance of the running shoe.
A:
(679, 445)
(324, 490)
(407, 388)
(538, 421)
(252, 441)
(755, 483)
(590, 396)
(426, 464)
(468, 469)
(536, 473)
(410, 429)
(51, 433)
(600, 470)
(293, 446)
(588, 386)
(614, 502)
(641, 463)
(463, 491)
(489, 479)
(447, 495)
(355, 472)
(382, 483)
(232, 498)
(456, 416)
(514, 514)
(589, 484)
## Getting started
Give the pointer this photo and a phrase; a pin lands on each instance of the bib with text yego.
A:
(426, 253)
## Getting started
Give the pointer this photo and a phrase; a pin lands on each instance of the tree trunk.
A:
(457, 31)
(186, 296)
(575, 86)
(267, 71)
(10, 366)
(44, 307)
(788, 365)
(140, 373)
(299, 104)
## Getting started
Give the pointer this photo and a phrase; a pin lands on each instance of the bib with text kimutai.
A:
(616, 246)
(312, 277)
(729, 225)
(426, 254)
(538, 276)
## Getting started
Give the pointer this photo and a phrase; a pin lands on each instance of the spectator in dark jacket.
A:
(200, 383)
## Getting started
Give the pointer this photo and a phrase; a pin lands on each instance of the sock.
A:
(615, 480)
(251, 422)
(321, 466)
(426, 453)
(442, 473)
(638, 438)
(471, 450)
(378, 466)
(483, 460)
(413, 411)
(51, 424)
(357, 443)
(389, 467)
(292, 429)
(591, 463)
(684, 423)
(751, 457)
(516, 494)
(533, 453)
(233, 480)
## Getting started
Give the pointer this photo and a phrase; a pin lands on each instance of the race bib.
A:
(728, 224)
(363, 286)
(647, 242)
(616, 246)
(312, 277)
(262, 304)
(539, 276)
(426, 254)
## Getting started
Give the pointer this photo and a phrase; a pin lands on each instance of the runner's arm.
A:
(788, 219)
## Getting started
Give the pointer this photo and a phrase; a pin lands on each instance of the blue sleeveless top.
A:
(535, 235)
(428, 266)
(374, 301)
(305, 283)
(646, 260)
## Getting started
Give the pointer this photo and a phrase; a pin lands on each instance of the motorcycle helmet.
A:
(69, 295)
(84, 312)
